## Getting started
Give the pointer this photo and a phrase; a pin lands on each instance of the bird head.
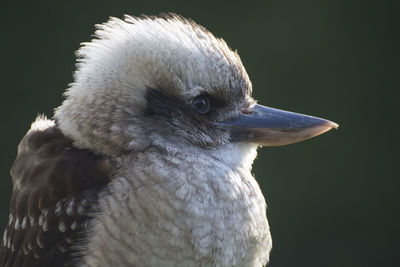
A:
(168, 81)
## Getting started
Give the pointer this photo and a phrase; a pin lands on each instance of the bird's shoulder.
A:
(55, 188)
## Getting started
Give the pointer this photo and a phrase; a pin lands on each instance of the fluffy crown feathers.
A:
(126, 57)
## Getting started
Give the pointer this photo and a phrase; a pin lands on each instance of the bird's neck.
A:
(183, 207)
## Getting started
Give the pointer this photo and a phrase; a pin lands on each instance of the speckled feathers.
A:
(129, 173)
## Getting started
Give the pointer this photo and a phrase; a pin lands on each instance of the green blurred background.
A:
(333, 200)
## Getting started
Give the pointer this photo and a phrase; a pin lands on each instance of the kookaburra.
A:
(148, 160)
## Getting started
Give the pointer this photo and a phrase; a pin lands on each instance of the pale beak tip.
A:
(332, 125)
(326, 126)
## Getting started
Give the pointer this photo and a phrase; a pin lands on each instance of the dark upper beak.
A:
(273, 127)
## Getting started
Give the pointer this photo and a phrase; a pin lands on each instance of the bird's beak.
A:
(273, 127)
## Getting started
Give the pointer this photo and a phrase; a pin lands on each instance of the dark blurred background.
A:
(333, 200)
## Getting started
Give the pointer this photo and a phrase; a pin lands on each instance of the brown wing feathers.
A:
(55, 187)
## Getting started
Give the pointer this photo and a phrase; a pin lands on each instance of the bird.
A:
(147, 161)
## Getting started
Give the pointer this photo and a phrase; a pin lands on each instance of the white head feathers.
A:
(104, 103)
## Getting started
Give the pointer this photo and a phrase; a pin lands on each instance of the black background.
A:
(333, 200)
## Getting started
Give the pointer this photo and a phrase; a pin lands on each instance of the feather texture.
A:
(55, 187)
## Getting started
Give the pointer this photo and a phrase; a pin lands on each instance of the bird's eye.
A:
(201, 104)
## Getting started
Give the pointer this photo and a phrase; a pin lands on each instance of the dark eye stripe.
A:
(165, 105)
